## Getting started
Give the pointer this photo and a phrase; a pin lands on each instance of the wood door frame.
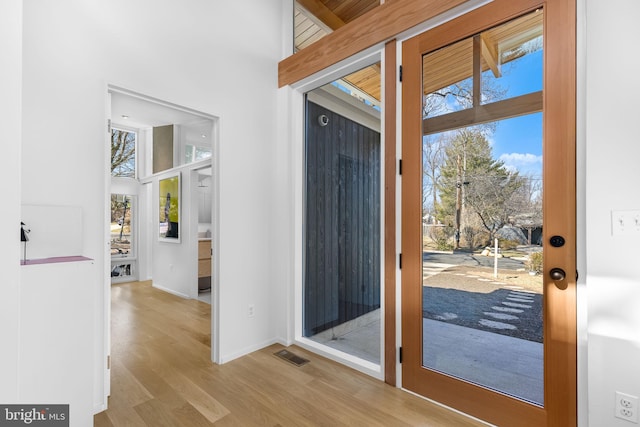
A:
(559, 134)
(390, 182)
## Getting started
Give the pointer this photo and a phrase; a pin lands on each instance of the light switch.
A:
(625, 223)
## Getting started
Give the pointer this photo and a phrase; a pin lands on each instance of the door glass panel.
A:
(342, 253)
(482, 226)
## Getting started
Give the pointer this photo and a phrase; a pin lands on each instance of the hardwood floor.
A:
(162, 376)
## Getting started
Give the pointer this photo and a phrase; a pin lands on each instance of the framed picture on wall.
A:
(169, 209)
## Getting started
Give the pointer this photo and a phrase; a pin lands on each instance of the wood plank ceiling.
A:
(314, 19)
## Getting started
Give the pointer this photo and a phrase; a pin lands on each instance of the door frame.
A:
(144, 203)
(559, 133)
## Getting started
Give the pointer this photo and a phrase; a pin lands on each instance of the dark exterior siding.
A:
(342, 223)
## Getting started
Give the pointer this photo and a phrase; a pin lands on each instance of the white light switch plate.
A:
(625, 223)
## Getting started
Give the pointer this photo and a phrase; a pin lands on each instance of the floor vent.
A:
(291, 358)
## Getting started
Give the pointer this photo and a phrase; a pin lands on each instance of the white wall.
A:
(188, 52)
(175, 264)
(281, 210)
(73, 49)
(10, 119)
(612, 177)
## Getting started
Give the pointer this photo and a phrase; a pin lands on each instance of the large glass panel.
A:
(342, 217)
(482, 224)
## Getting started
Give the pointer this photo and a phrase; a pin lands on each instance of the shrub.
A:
(507, 244)
(442, 238)
(534, 262)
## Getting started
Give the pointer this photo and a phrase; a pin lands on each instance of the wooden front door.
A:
(488, 213)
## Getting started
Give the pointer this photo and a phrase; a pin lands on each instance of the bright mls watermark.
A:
(34, 415)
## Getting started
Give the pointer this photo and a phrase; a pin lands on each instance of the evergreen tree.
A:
(472, 180)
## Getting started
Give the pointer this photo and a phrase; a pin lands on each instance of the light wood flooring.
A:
(162, 376)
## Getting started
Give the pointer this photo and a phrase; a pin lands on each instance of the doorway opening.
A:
(172, 145)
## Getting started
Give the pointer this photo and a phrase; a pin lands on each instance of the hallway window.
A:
(122, 234)
(123, 153)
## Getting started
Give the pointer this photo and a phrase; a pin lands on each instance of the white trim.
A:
(581, 213)
(248, 350)
(398, 218)
(214, 163)
(334, 99)
(102, 358)
(170, 291)
(122, 91)
(97, 408)
(202, 164)
(361, 365)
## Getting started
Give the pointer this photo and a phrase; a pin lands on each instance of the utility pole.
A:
(461, 180)
(458, 200)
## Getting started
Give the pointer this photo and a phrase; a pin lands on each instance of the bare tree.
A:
(459, 96)
(527, 201)
(433, 156)
(123, 152)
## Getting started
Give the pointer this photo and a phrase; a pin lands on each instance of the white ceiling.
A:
(138, 113)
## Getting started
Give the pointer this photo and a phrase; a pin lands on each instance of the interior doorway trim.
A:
(214, 163)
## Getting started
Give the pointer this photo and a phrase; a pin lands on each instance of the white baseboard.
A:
(171, 291)
(229, 357)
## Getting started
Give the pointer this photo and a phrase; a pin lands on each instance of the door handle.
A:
(557, 274)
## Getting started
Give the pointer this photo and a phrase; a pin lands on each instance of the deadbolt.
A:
(557, 241)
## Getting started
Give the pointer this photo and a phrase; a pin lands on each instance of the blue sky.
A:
(518, 141)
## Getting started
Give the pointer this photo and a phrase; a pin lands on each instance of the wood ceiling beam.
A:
(323, 13)
(376, 26)
(490, 55)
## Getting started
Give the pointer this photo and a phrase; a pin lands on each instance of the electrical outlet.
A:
(251, 312)
(627, 407)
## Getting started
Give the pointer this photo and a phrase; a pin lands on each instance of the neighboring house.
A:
(221, 58)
